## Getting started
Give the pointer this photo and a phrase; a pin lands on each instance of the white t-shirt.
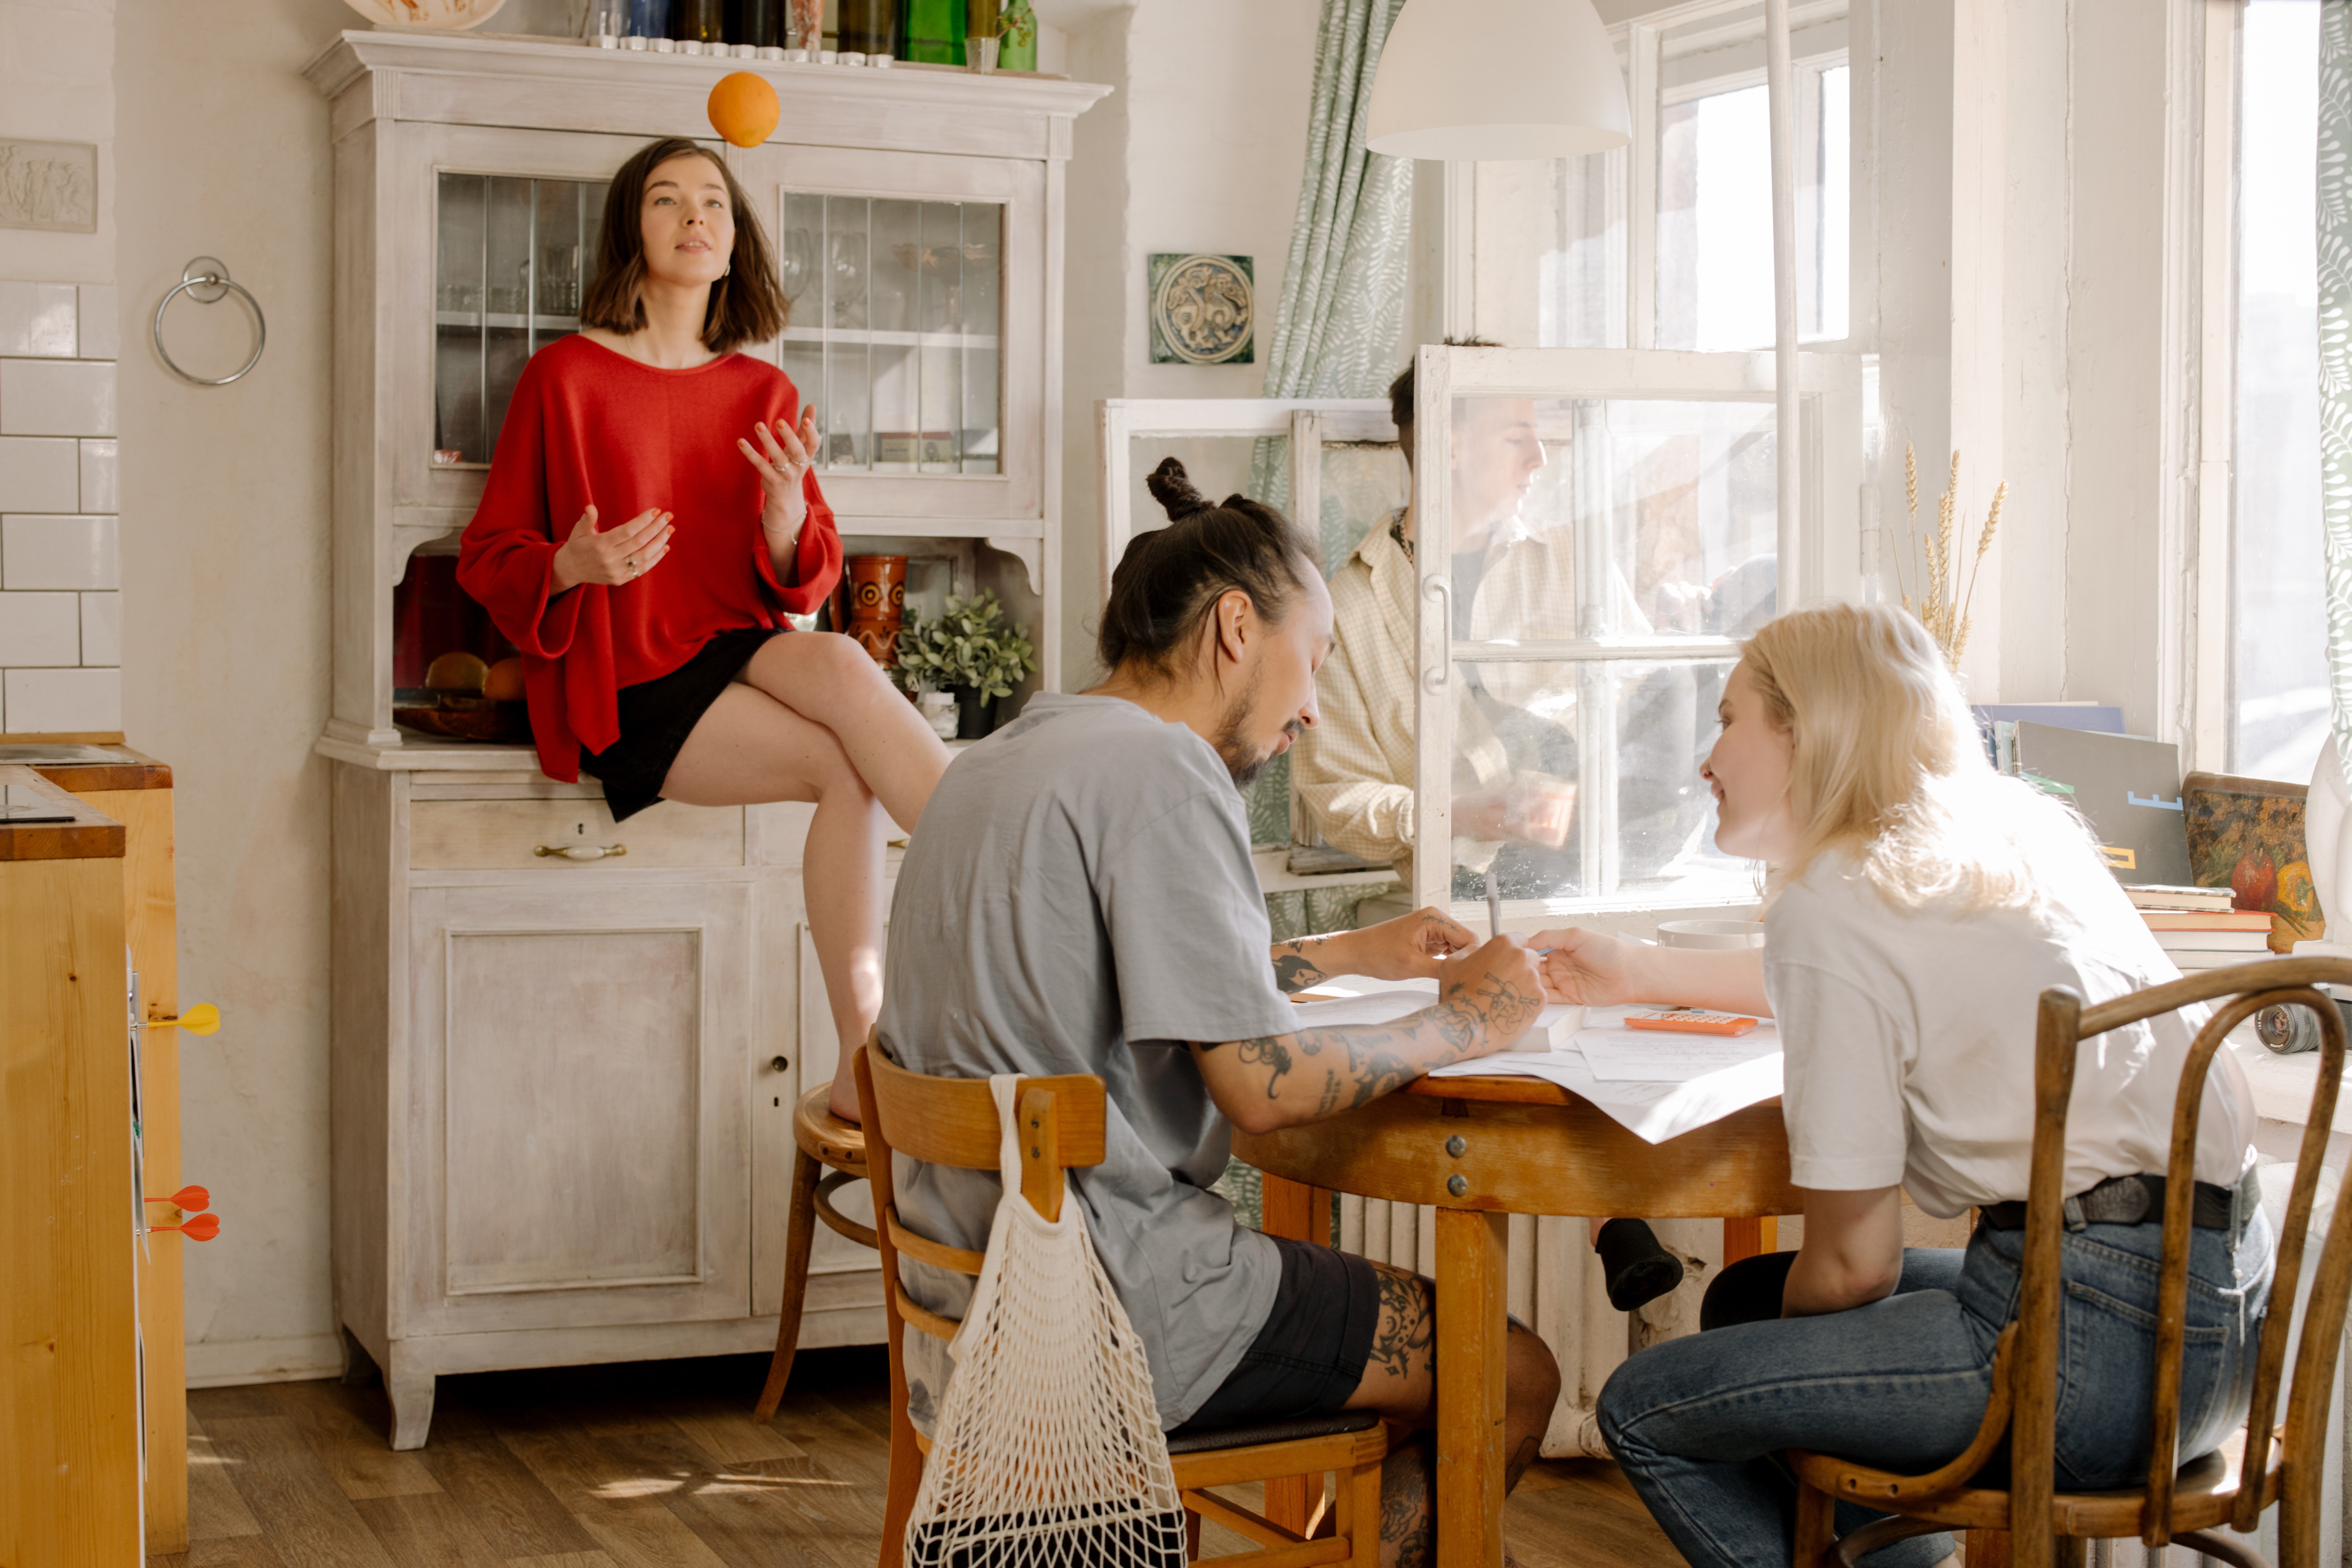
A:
(1910, 1039)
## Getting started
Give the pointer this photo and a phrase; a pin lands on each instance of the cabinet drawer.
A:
(508, 834)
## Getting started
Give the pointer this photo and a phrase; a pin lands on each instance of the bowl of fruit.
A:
(469, 699)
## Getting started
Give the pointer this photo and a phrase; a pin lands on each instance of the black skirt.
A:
(657, 715)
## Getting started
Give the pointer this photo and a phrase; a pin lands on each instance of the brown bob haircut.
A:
(746, 305)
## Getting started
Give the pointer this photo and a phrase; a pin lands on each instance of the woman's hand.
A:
(782, 460)
(1587, 968)
(622, 555)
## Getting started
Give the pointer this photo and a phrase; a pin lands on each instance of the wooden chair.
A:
(2180, 1503)
(953, 1121)
(823, 1139)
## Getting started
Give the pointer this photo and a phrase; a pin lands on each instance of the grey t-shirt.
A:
(1080, 899)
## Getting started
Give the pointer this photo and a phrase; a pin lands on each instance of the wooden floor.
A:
(646, 1465)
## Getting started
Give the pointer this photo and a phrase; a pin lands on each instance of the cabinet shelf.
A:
(886, 338)
(513, 319)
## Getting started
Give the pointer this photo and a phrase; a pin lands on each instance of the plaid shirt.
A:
(1354, 770)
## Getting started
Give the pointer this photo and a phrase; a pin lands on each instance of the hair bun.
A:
(1172, 489)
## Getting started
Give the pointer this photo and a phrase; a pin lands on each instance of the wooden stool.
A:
(823, 1139)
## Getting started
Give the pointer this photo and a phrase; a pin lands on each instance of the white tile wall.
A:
(60, 607)
(38, 319)
(36, 474)
(101, 629)
(58, 553)
(38, 629)
(56, 397)
(33, 701)
(99, 492)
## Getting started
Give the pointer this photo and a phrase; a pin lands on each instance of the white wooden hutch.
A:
(562, 1088)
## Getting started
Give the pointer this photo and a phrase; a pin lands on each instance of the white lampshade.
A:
(1467, 80)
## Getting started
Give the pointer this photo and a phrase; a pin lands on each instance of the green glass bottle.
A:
(1020, 50)
(931, 31)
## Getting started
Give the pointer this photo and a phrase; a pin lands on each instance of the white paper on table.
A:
(1663, 1056)
(1653, 1111)
(1555, 1027)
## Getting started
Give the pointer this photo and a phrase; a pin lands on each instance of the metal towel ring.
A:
(208, 282)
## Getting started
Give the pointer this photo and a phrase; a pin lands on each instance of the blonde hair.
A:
(1888, 768)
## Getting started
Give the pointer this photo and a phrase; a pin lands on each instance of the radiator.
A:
(1555, 1288)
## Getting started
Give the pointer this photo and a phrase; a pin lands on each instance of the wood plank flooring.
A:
(649, 1465)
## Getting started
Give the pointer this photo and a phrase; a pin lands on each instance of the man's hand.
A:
(1537, 810)
(1406, 948)
(1485, 1000)
(622, 555)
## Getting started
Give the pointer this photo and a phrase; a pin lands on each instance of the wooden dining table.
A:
(1481, 1149)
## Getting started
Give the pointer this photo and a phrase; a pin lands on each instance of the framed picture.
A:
(2246, 834)
(1204, 309)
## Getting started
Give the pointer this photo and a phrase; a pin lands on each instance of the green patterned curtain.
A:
(2334, 203)
(1342, 303)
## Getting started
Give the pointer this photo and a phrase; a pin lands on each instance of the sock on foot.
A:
(1637, 1268)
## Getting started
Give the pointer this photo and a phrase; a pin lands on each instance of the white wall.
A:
(1200, 147)
(223, 152)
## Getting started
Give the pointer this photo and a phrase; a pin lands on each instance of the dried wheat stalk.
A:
(1941, 599)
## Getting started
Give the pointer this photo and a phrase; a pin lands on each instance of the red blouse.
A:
(590, 425)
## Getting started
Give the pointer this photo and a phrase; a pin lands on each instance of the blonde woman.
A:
(1916, 906)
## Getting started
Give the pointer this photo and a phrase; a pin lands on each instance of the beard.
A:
(1244, 761)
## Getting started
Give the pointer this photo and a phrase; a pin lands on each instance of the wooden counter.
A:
(70, 1488)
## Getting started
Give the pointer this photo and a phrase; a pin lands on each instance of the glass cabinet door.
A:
(512, 258)
(1602, 540)
(896, 328)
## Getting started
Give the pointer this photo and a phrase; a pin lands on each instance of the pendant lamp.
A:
(1464, 79)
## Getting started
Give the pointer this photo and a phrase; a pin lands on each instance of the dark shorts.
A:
(1310, 1355)
(657, 715)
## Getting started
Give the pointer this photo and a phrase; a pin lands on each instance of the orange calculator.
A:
(1692, 1023)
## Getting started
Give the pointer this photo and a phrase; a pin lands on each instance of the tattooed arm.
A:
(1409, 947)
(1486, 1001)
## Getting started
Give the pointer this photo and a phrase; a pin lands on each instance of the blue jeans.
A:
(1699, 1423)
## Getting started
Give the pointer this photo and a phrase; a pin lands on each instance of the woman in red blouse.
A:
(655, 653)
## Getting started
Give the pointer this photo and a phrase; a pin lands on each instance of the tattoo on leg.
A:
(1407, 1324)
(1408, 1526)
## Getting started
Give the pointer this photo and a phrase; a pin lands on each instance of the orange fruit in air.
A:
(743, 108)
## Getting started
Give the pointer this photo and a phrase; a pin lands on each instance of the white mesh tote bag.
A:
(1048, 1452)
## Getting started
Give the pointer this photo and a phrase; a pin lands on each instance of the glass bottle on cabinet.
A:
(513, 259)
(894, 335)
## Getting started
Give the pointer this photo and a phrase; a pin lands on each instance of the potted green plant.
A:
(969, 649)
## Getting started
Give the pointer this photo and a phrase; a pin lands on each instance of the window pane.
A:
(2279, 628)
(1611, 518)
(1580, 780)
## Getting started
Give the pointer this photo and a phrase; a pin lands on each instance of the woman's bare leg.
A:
(830, 680)
(749, 748)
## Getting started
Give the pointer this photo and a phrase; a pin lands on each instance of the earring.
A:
(726, 269)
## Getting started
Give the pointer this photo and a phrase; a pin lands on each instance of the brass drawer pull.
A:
(583, 851)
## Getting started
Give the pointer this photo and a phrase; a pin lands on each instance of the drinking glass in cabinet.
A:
(512, 258)
(895, 316)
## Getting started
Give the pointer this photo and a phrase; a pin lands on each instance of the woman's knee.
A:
(1529, 1369)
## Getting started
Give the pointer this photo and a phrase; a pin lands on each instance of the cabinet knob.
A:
(581, 852)
(778, 1064)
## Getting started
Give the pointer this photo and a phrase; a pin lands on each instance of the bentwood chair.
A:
(2262, 1464)
(953, 1121)
(829, 1154)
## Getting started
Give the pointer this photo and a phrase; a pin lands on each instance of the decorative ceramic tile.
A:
(98, 490)
(1204, 309)
(49, 185)
(38, 475)
(101, 629)
(38, 320)
(55, 398)
(59, 552)
(46, 701)
(40, 629)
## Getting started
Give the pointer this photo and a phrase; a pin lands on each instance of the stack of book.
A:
(2198, 930)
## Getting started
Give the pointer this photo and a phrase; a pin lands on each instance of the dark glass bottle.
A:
(868, 27)
(704, 21)
(760, 23)
(931, 31)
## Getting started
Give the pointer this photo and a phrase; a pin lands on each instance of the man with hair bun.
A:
(1080, 900)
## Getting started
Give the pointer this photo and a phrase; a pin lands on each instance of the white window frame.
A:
(1819, 552)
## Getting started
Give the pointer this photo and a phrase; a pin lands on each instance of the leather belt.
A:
(2139, 1200)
